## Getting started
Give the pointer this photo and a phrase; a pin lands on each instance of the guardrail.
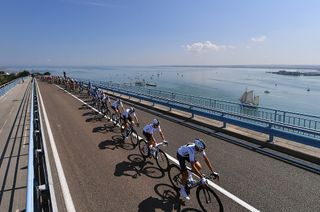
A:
(38, 194)
(279, 116)
(7, 86)
(297, 127)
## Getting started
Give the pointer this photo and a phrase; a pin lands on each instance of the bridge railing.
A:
(38, 194)
(279, 116)
(7, 86)
(275, 123)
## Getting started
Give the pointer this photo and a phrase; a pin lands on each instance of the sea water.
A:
(289, 93)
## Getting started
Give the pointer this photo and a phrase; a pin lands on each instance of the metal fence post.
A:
(271, 137)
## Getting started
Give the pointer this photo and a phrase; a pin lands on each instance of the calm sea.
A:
(286, 92)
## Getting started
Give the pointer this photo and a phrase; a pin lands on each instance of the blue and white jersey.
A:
(128, 112)
(149, 129)
(116, 104)
(189, 150)
(105, 98)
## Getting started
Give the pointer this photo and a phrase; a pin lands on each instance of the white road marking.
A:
(50, 180)
(212, 184)
(3, 126)
(63, 182)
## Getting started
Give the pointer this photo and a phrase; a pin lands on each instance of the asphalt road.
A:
(104, 174)
(14, 121)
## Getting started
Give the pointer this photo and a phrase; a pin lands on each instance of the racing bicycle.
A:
(158, 154)
(208, 200)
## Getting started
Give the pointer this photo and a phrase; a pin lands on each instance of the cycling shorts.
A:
(182, 161)
(148, 136)
(127, 119)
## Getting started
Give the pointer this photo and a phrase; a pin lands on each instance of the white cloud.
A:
(206, 46)
(259, 39)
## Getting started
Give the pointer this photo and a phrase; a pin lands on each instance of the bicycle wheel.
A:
(144, 148)
(175, 176)
(108, 113)
(208, 199)
(134, 137)
(162, 160)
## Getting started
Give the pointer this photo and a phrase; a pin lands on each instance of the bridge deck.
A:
(14, 124)
(104, 174)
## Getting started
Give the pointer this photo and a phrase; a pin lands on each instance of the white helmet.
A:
(155, 122)
(200, 144)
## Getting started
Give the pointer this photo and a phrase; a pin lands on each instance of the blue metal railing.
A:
(6, 87)
(38, 194)
(30, 179)
(298, 127)
(278, 116)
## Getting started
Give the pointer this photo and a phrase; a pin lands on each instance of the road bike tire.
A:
(144, 148)
(162, 160)
(108, 114)
(175, 176)
(134, 137)
(208, 200)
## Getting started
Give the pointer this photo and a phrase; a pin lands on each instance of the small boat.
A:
(151, 84)
(140, 83)
(249, 99)
(266, 91)
(308, 89)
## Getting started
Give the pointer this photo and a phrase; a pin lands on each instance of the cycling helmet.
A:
(155, 122)
(200, 144)
(132, 109)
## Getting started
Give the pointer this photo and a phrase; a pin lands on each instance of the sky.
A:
(159, 32)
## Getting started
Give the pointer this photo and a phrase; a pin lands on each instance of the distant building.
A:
(2, 73)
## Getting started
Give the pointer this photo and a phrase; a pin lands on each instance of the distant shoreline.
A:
(296, 73)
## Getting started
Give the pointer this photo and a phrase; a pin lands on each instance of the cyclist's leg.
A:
(184, 170)
(149, 139)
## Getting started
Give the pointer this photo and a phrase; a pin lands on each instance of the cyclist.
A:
(115, 106)
(148, 131)
(105, 100)
(188, 153)
(126, 115)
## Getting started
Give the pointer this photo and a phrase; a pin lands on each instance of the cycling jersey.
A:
(116, 104)
(128, 112)
(105, 98)
(189, 150)
(149, 129)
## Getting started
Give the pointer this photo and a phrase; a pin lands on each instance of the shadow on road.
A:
(137, 166)
(84, 107)
(167, 200)
(116, 143)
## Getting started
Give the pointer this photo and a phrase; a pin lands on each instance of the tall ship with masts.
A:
(249, 99)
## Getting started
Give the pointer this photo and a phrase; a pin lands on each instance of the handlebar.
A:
(164, 143)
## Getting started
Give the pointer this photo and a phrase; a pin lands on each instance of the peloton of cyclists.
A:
(188, 153)
(148, 131)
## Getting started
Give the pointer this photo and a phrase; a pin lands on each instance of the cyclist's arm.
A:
(162, 136)
(208, 162)
(161, 133)
(121, 106)
(195, 169)
(136, 118)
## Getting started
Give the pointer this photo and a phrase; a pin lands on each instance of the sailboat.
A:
(249, 99)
